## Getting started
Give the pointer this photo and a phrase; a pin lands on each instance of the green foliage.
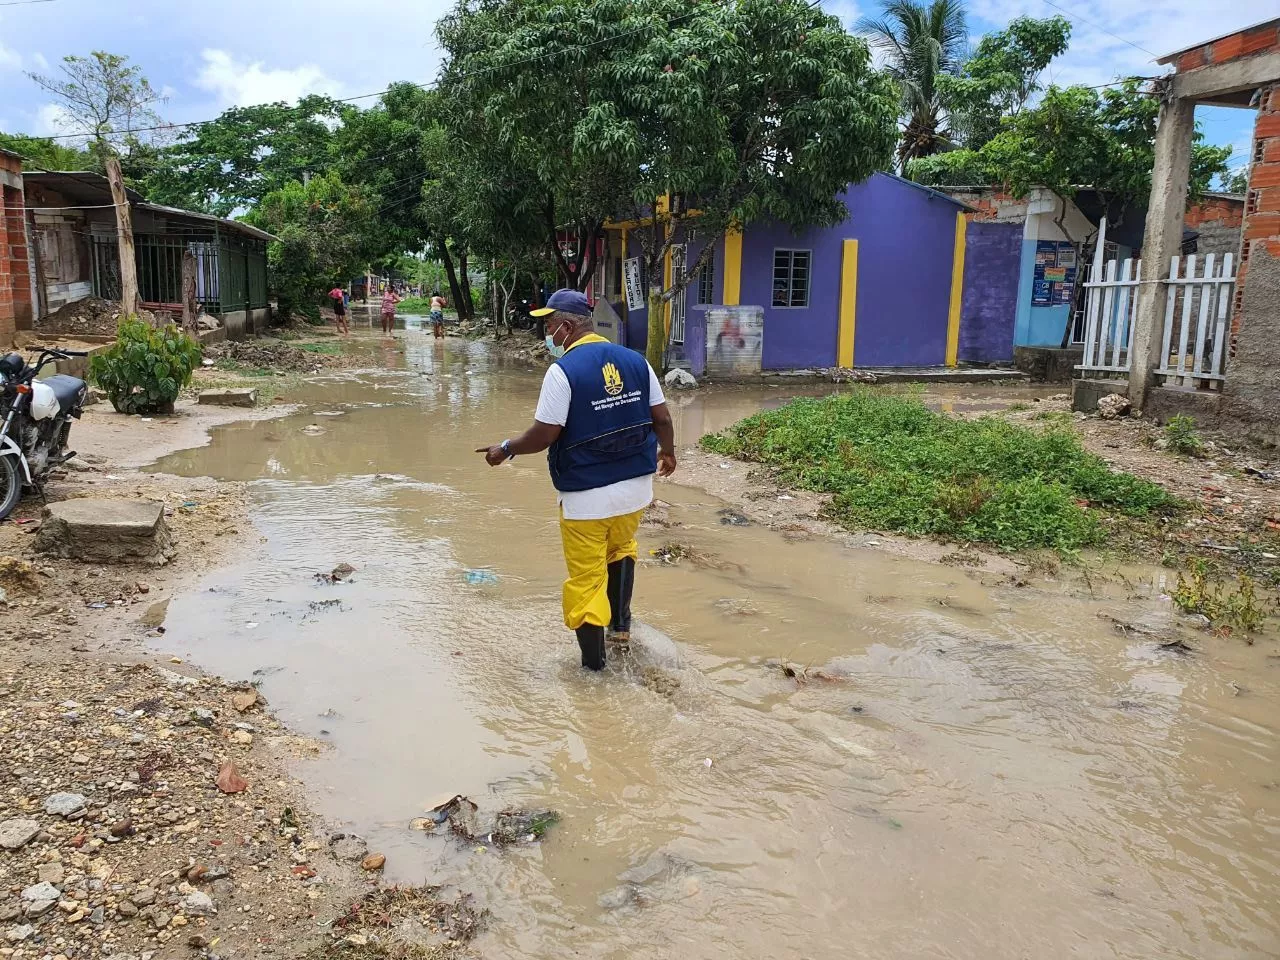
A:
(1229, 608)
(1181, 434)
(43, 153)
(892, 464)
(1073, 137)
(757, 109)
(143, 371)
(236, 160)
(1233, 181)
(1000, 77)
(102, 96)
(922, 43)
(323, 229)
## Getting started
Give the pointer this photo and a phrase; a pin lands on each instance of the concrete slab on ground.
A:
(106, 531)
(1085, 394)
(230, 397)
(949, 375)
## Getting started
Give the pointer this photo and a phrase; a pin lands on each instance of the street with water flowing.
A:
(954, 764)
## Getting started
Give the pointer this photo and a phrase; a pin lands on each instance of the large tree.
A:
(1000, 77)
(922, 43)
(232, 162)
(759, 109)
(323, 229)
(108, 101)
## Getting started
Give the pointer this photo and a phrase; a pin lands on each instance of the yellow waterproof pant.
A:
(589, 547)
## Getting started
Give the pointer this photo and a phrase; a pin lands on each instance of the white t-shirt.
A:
(616, 499)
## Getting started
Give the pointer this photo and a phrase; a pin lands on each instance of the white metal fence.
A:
(1111, 298)
(1195, 321)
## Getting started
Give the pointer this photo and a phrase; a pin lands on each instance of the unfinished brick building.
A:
(15, 274)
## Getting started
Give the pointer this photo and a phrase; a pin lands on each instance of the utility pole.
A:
(129, 301)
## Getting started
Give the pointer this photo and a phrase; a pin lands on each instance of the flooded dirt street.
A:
(969, 769)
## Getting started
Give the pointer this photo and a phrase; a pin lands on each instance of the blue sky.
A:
(209, 56)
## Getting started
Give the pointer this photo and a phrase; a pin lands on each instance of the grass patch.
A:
(414, 305)
(891, 464)
(329, 349)
(1180, 432)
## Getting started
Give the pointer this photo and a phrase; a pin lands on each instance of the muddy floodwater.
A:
(969, 769)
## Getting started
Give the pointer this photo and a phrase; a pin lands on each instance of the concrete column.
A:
(1163, 239)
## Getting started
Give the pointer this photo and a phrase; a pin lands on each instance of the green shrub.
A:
(1180, 431)
(892, 464)
(145, 368)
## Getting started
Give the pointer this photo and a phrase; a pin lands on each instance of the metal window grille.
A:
(706, 280)
(791, 278)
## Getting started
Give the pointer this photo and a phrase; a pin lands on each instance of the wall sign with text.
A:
(1054, 282)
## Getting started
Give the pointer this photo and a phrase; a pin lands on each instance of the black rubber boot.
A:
(622, 579)
(591, 640)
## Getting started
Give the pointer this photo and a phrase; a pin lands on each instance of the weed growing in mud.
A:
(329, 349)
(1229, 609)
(1181, 434)
(892, 464)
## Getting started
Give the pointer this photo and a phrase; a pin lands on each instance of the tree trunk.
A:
(464, 281)
(656, 347)
(189, 306)
(454, 293)
(129, 301)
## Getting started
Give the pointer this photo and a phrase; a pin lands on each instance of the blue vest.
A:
(608, 436)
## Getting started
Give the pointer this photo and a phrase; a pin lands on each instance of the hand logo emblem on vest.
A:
(612, 379)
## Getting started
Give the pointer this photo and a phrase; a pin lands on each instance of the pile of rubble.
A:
(143, 812)
(90, 316)
(269, 355)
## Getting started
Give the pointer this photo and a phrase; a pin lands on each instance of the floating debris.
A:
(480, 578)
(339, 574)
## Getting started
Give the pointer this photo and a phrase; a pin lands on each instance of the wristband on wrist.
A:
(506, 448)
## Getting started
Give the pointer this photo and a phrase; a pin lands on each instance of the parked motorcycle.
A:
(37, 422)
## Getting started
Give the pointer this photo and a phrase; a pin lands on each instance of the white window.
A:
(706, 280)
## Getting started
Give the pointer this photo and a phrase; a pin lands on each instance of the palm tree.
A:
(920, 41)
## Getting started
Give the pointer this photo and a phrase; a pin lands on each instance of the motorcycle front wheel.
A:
(10, 485)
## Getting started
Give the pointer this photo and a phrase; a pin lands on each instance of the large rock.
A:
(64, 804)
(106, 531)
(230, 397)
(16, 834)
(680, 379)
(1113, 406)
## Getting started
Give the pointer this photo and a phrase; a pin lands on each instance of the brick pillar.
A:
(19, 263)
(1253, 373)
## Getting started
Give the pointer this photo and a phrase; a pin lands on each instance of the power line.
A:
(22, 3)
(1098, 26)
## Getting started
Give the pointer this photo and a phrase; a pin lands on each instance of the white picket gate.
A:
(1195, 321)
(1111, 298)
(1197, 311)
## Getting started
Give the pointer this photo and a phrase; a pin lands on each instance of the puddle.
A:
(993, 776)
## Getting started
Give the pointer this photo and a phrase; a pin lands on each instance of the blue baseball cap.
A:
(564, 301)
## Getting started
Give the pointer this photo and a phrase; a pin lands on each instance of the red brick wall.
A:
(1262, 201)
(1219, 210)
(15, 275)
(1246, 43)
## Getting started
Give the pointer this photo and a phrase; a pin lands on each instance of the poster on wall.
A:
(1053, 283)
(631, 276)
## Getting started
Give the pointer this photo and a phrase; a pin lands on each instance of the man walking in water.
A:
(605, 421)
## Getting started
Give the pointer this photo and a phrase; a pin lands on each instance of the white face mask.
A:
(554, 350)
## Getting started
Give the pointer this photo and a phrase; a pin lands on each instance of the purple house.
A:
(881, 289)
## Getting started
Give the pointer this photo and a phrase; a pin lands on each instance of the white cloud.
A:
(51, 120)
(240, 83)
(9, 59)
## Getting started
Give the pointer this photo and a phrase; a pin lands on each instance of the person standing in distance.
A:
(604, 422)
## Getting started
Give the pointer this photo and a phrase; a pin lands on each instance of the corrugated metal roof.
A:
(88, 188)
